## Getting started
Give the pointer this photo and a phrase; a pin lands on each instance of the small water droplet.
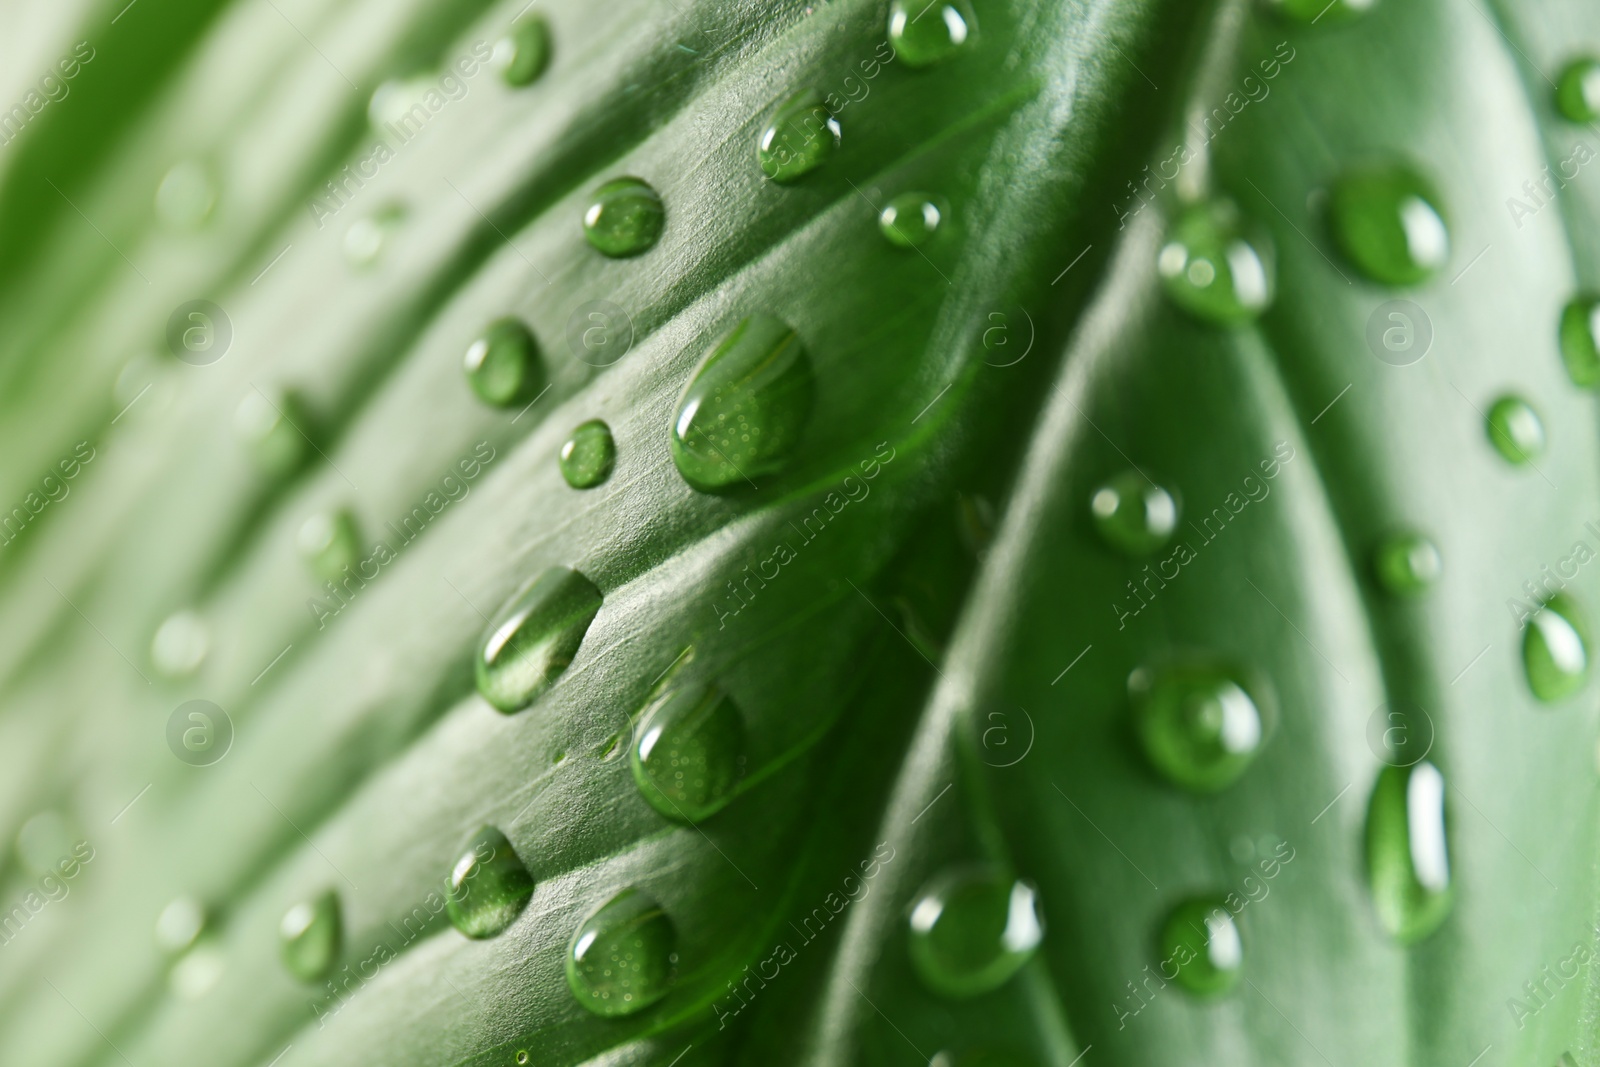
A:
(624, 217)
(364, 241)
(1213, 268)
(973, 928)
(522, 54)
(622, 958)
(1408, 856)
(46, 840)
(1133, 515)
(745, 407)
(1198, 723)
(180, 644)
(1407, 563)
(522, 1057)
(329, 542)
(534, 637)
(1388, 221)
(199, 970)
(502, 364)
(1578, 90)
(274, 427)
(1516, 430)
(690, 752)
(1321, 12)
(186, 195)
(309, 937)
(588, 455)
(1555, 649)
(911, 219)
(393, 99)
(179, 924)
(1580, 340)
(800, 137)
(1201, 941)
(924, 33)
(489, 886)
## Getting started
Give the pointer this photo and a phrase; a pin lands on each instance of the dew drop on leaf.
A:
(981, 1056)
(1213, 268)
(1407, 563)
(800, 137)
(1321, 12)
(911, 219)
(1408, 854)
(179, 924)
(1133, 514)
(273, 425)
(489, 886)
(745, 407)
(329, 542)
(44, 840)
(367, 236)
(199, 970)
(186, 196)
(689, 754)
(1198, 723)
(1200, 942)
(524, 51)
(502, 364)
(1555, 649)
(180, 644)
(624, 217)
(309, 937)
(1515, 429)
(1580, 340)
(588, 455)
(623, 957)
(1578, 90)
(1388, 221)
(923, 33)
(534, 637)
(972, 928)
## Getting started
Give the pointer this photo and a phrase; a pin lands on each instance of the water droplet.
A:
(1408, 856)
(1201, 941)
(199, 970)
(1407, 563)
(45, 841)
(534, 637)
(522, 54)
(911, 219)
(522, 1057)
(588, 455)
(1322, 12)
(392, 99)
(623, 957)
(503, 365)
(364, 241)
(1133, 514)
(179, 924)
(274, 428)
(1515, 429)
(1388, 222)
(329, 542)
(1578, 90)
(186, 195)
(1555, 649)
(923, 33)
(745, 407)
(1213, 268)
(800, 137)
(1580, 340)
(690, 752)
(624, 217)
(309, 937)
(180, 644)
(972, 929)
(1198, 723)
(489, 886)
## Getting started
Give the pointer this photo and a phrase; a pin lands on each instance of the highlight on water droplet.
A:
(1215, 267)
(310, 937)
(502, 364)
(623, 957)
(625, 217)
(329, 542)
(180, 644)
(924, 33)
(274, 426)
(489, 885)
(588, 455)
(1200, 723)
(1578, 90)
(1407, 563)
(198, 970)
(800, 137)
(186, 196)
(911, 220)
(972, 928)
(523, 52)
(690, 752)
(1321, 12)
(1408, 854)
(745, 407)
(1200, 947)
(394, 98)
(367, 236)
(1580, 340)
(534, 637)
(1515, 429)
(1389, 222)
(179, 924)
(1134, 515)
(1555, 648)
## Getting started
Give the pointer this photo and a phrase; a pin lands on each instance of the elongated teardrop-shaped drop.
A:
(310, 937)
(329, 542)
(1555, 649)
(489, 886)
(534, 637)
(1580, 340)
(1408, 851)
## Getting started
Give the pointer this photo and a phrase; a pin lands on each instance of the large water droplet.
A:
(1213, 269)
(524, 51)
(1578, 90)
(179, 924)
(502, 364)
(1200, 942)
(489, 886)
(274, 427)
(689, 754)
(911, 220)
(534, 637)
(800, 137)
(1516, 430)
(310, 935)
(1580, 340)
(1389, 223)
(624, 217)
(180, 644)
(623, 957)
(1555, 649)
(588, 455)
(1198, 723)
(1407, 563)
(1408, 855)
(329, 542)
(745, 407)
(186, 195)
(923, 33)
(1133, 514)
(972, 929)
